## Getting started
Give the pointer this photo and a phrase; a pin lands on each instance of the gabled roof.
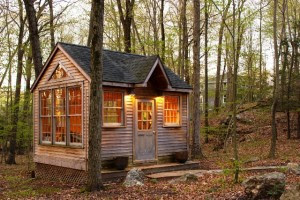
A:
(120, 67)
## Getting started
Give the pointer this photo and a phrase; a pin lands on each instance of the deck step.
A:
(111, 175)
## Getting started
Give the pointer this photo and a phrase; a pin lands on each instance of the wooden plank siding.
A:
(117, 141)
(63, 156)
(172, 139)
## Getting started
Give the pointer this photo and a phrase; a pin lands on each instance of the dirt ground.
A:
(254, 137)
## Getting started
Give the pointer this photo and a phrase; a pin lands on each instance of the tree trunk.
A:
(95, 119)
(51, 24)
(206, 72)
(234, 91)
(15, 117)
(276, 84)
(185, 50)
(34, 36)
(126, 22)
(162, 30)
(179, 70)
(196, 148)
(219, 56)
(260, 51)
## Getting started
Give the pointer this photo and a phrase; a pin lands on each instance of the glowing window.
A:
(45, 116)
(60, 115)
(59, 73)
(144, 115)
(113, 108)
(75, 111)
(171, 111)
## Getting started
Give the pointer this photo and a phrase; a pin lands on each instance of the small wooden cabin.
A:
(145, 110)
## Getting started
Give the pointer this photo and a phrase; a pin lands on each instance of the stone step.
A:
(113, 175)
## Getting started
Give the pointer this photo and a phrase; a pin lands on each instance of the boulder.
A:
(135, 177)
(266, 186)
(188, 177)
(293, 168)
(291, 193)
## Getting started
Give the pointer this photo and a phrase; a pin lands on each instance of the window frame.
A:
(67, 143)
(54, 117)
(75, 115)
(45, 116)
(166, 125)
(123, 116)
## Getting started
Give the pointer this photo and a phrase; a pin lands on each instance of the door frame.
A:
(135, 129)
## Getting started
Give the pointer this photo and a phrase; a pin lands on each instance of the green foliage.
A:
(25, 133)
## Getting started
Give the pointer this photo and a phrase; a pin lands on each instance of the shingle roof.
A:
(121, 67)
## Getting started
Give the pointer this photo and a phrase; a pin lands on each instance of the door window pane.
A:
(144, 115)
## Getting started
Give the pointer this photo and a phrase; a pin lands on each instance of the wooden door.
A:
(145, 145)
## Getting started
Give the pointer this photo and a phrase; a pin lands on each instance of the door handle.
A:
(153, 132)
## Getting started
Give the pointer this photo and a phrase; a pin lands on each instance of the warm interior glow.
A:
(159, 99)
(171, 110)
(113, 108)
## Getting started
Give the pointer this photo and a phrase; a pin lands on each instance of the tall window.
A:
(46, 116)
(61, 116)
(75, 115)
(171, 111)
(113, 109)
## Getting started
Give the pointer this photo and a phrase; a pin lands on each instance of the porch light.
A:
(131, 93)
(159, 98)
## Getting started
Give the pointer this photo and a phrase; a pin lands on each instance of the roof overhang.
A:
(156, 64)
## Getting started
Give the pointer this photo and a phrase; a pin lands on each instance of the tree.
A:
(206, 71)
(196, 148)
(219, 56)
(95, 119)
(34, 36)
(15, 116)
(276, 83)
(162, 30)
(51, 21)
(126, 21)
(185, 41)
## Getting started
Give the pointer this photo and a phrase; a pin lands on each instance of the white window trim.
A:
(179, 110)
(52, 142)
(114, 125)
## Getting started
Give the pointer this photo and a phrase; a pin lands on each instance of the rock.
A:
(188, 177)
(265, 186)
(135, 177)
(294, 168)
(253, 159)
(291, 193)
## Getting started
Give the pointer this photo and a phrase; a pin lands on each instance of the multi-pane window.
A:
(75, 115)
(46, 116)
(58, 105)
(59, 73)
(171, 111)
(60, 115)
(144, 115)
(113, 108)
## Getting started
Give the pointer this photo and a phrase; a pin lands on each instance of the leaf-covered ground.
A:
(254, 137)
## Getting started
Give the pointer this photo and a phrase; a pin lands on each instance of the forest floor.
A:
(254, 136)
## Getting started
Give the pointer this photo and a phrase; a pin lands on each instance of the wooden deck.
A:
(114, 175)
